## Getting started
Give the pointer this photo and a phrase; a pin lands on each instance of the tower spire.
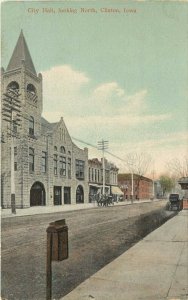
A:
(21, 52)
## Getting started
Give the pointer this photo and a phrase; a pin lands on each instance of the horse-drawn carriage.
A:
(175, 202)
(103, 200)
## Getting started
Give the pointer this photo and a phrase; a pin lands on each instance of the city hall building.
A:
(47, 167)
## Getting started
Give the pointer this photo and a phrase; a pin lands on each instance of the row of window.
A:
(63, 165)
(94, 175)
(62, 150)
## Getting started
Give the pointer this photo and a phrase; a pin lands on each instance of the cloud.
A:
(92, 112)
(62, 87)
(107, 90)
(64, 77)
(70, 93)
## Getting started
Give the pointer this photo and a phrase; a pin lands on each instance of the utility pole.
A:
(132, 189)
(131, 168)
(103, 145)
(153, 183)
(11, 114)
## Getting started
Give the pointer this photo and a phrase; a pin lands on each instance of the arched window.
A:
(31, 126)
(32, 92)
(62, 149)
(55, 148)
(69, 153)
(31, 89)
(79, 194)
(13, 87)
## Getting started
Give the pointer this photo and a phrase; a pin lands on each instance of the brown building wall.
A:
(142, 188)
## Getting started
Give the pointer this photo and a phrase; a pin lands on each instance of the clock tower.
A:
(21, 125)
(21, 77)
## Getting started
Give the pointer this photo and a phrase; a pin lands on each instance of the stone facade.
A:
(49, 169)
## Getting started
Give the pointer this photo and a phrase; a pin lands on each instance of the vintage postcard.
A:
(94, 149)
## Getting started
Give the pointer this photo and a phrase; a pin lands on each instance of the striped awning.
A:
(116, 190)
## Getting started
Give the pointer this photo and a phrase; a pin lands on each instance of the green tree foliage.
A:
(166, 183)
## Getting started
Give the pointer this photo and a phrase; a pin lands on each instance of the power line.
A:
(86, 143)
(83, 142)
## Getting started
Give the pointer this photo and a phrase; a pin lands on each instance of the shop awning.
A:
(116, 190)
(95, 185)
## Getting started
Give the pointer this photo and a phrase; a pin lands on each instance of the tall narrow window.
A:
(31, 159)
(95, 175)
(44, 162)
(15, 158)
(61, 165)
(69, 167)
(79, 169)
(55, 164)
(62, 134)
(64, 166)
(62, 149)
(15, 151)
(31, 125)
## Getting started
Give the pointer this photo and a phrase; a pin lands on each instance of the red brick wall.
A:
(142, 189)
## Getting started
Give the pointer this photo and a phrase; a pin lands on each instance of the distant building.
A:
(158, 189)
(183, 182)
(49, 168)
(96, 178)
(142, 186)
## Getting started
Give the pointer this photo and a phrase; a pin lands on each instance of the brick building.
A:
(49, 168)
(142, 186)
(96, 177)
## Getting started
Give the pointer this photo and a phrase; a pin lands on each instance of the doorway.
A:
(37, 194)
(67, 195)
(79, 194)
(57, 195)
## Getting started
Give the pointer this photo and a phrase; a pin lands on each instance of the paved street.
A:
(96, 237)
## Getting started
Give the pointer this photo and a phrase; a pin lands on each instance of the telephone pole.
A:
(11, 114)
(103, 145)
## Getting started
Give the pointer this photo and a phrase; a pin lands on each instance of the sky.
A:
(118, 71)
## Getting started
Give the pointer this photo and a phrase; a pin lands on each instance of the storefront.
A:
(184, 186)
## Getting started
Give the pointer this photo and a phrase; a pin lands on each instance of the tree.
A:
(178, 168)
(138, 163)
(166, 183)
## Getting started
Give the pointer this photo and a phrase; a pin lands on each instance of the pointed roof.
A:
(21, 52)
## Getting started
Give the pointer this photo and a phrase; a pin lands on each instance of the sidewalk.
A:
(36, 210)
(155, 268)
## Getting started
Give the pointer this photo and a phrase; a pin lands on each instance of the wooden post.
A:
(49, 267)
(57, 250)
